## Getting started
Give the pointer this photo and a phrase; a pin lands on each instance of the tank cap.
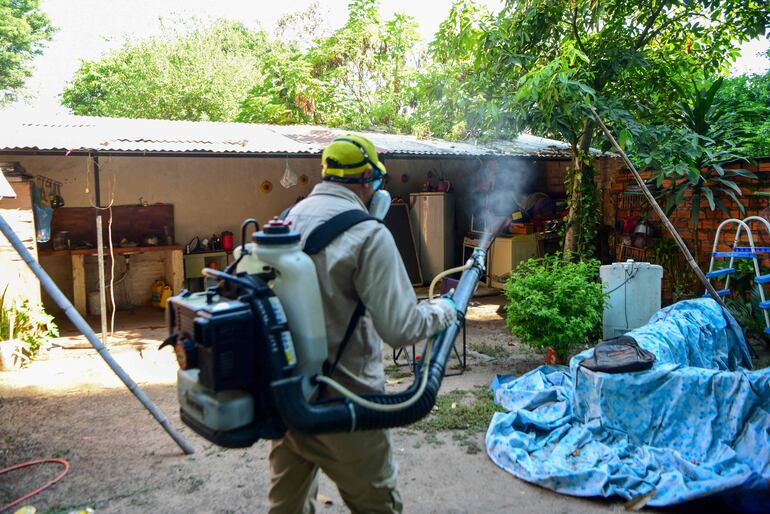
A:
(276, 232)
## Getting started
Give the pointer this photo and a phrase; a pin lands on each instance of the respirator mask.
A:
(379, 204)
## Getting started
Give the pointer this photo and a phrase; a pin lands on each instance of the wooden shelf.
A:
(116, 250)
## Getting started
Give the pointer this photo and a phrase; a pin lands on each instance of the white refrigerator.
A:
(432, 216)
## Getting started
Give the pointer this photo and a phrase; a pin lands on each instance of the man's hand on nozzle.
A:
(448, 298)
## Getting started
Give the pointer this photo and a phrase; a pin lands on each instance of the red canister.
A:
(227, 241)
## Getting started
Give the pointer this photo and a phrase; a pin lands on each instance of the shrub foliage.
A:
(554, 302)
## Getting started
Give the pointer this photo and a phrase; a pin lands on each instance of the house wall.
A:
(623, 206)
(708, 220)
(16, 279)
(212, 194)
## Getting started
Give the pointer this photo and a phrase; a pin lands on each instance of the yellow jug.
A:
(165, 294)
(157, 292)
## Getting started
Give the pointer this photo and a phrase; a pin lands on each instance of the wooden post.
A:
(100, 250)
(79, 283)
(174, 264)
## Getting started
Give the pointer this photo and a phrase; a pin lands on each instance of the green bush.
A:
(554, 302)
(28, 322)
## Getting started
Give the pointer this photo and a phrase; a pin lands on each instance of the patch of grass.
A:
(65, 509)
(432, 438)
(60, 454)
(460, 410)
(395, 372)
(498, 352)
(466, 438)
(195, 484)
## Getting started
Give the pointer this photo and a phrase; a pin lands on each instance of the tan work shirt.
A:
(364, 263)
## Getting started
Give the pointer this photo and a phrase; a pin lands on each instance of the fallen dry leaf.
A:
(322, 498)
(639, 502)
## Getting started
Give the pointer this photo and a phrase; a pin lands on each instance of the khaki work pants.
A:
(360, 463)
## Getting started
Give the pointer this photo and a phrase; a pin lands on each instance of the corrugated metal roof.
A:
(78, 133)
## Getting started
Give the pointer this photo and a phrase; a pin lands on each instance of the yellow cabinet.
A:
(506, 253)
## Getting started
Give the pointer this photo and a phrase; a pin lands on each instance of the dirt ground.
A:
(70, 405)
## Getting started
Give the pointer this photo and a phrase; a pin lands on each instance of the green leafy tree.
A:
(451, 98)
(300, 29)
(751, 93)
(289, 93)
(546, 61)
(689, 160)
(201, 74)
(24, 30)
(358, 77)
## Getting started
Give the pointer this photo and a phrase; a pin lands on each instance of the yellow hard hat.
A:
(350, 155)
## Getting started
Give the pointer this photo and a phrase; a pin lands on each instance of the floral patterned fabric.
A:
(696, 424)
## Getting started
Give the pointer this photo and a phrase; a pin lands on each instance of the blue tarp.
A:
(696, 424)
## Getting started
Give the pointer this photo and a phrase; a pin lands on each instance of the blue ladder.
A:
(741, 252)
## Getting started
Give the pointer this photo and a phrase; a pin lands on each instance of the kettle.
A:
(227, 241)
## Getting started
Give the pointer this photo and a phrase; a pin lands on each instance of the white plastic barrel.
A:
(296, 286)
(250, 263)
(634, 295)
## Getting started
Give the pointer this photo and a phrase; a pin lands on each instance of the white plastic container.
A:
(250, 263)
(225, 410)
(296, 286)
(634, 295)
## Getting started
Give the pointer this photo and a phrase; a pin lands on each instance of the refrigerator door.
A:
(432, 217)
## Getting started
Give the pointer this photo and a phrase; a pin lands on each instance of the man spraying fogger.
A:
(367, 299)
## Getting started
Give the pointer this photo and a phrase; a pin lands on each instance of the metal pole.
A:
(679, 241)
(86, 330)
(100, 250)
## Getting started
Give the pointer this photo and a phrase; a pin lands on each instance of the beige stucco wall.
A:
(215, 194)
(212, 194)
(209, 194)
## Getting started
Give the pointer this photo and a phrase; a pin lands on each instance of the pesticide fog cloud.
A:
(502, 189)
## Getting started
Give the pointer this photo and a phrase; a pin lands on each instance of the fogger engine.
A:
(251, 351)
(229, 350)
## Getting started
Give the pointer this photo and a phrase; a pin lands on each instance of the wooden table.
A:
(174, 272)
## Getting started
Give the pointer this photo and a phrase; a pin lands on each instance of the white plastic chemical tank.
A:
(634, 295)
(296, 286)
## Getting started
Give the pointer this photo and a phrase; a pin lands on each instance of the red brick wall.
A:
(709, 220)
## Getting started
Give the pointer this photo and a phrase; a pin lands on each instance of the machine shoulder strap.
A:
(319, 239)
(328, 231)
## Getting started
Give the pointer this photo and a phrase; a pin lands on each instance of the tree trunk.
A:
(573, 190)
(582, 175)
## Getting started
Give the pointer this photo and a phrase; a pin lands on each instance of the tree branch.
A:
(657, 31)
(575, 31)
(640, 42)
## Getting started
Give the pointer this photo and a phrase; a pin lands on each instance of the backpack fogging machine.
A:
(252, 350)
